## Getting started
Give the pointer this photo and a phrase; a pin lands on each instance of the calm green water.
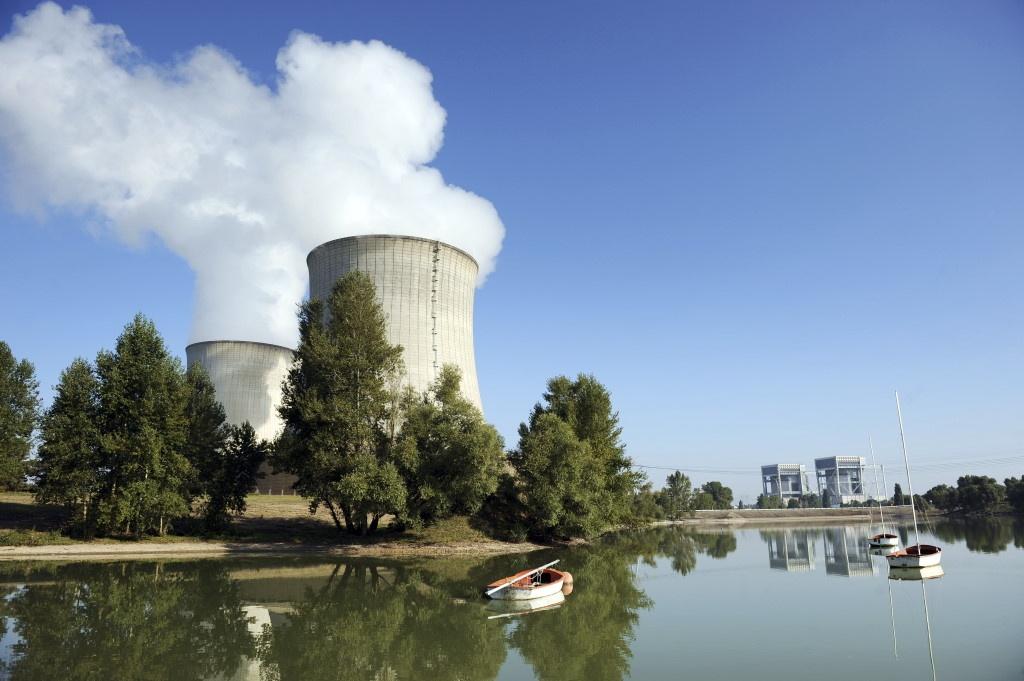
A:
(662, 604)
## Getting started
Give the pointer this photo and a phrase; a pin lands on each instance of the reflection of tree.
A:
(129, 621)
(370, 622)
(717, 545)
(589, 638)
(984, 534)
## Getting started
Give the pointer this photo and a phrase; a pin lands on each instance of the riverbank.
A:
(757, 516)
(282, 525)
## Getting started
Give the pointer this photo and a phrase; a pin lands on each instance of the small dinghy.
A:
(529, 584)
(919, 555)
(884, 540)
(916, 556)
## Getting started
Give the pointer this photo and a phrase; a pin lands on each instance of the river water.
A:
(771, 603)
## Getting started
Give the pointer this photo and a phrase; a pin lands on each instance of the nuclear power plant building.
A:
(426, 289)
(247, 378)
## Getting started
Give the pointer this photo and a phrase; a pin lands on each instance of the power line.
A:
(942, 465)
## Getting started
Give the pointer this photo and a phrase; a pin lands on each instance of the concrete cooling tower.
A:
(426, 289)
(247, 378)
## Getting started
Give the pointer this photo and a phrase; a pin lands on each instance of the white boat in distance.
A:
(529, 584)
(919, 555)
(882, 540)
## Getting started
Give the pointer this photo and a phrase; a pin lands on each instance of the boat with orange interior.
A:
(529, 584)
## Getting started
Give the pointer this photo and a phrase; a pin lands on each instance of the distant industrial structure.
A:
(842, 477)
(426, 289)
(247, 378)
(784, 480)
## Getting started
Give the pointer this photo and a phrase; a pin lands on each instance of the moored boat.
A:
(515, 608)
(529, 584)
(920, 555)
(917, 556)
(882, 540)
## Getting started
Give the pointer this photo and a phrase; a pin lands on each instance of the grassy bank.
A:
(271, 524)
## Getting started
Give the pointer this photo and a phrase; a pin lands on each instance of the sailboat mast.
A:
(874, 470)
(906, 460)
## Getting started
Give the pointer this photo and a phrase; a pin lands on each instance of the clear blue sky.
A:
(751, 220)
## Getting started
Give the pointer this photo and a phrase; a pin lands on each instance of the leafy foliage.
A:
(234, 476)
(448, 456)
(1015, 493)
(714, 495)
(19, 409)
(897, 495)
(69, 468)
(769, 501)
(337, 408)
(676, 497)
(573, 477)
(142, 396)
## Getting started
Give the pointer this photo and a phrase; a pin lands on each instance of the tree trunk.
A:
(334, 514)
(373, 523)
(349, 525)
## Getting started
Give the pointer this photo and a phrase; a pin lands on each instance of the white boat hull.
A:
(880, 541)
(908, 558)
(515, 593)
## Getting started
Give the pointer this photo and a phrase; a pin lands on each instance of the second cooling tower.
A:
(426, 290)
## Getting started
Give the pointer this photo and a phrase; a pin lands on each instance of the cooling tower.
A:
(247, 378)
(426, 289)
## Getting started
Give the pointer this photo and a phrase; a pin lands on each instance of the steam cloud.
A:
(240, 179)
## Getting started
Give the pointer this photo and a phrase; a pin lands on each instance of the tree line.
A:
(135, 444)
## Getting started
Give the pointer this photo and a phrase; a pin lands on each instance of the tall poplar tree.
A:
(19, 409)
(336, 408)
(69, 468)
(142, 417)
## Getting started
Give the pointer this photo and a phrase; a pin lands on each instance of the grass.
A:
(270, 519)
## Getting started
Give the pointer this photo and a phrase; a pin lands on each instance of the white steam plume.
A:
(240, 179)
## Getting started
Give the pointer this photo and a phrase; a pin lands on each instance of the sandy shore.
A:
(199, 549)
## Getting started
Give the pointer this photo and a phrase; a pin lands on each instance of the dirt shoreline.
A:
(201, 549)
(384, 548)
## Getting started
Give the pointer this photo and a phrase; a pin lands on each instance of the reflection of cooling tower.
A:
(247, 378)
(426, 289)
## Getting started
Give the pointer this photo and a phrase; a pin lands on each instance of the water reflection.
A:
(984, 534)
(846, 552)
(127, 621)
(790, 550)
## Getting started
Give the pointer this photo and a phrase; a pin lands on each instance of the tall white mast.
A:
(906, 460)
(874, 469)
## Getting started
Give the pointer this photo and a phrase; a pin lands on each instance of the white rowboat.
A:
(529, 584)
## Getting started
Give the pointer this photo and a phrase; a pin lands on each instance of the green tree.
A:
(228, 483)
(68, 468)
(336, 408)
(646, 505)
(810, 500)
(793, 503)
(142, 398)
(207, 429)
(573, 474)
(943, 497)
(769, 501)
(19, 409)
(979, 494)
(676, 497)
(721, 496)
(448, 456)
(1015, 493)
(897, 495)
